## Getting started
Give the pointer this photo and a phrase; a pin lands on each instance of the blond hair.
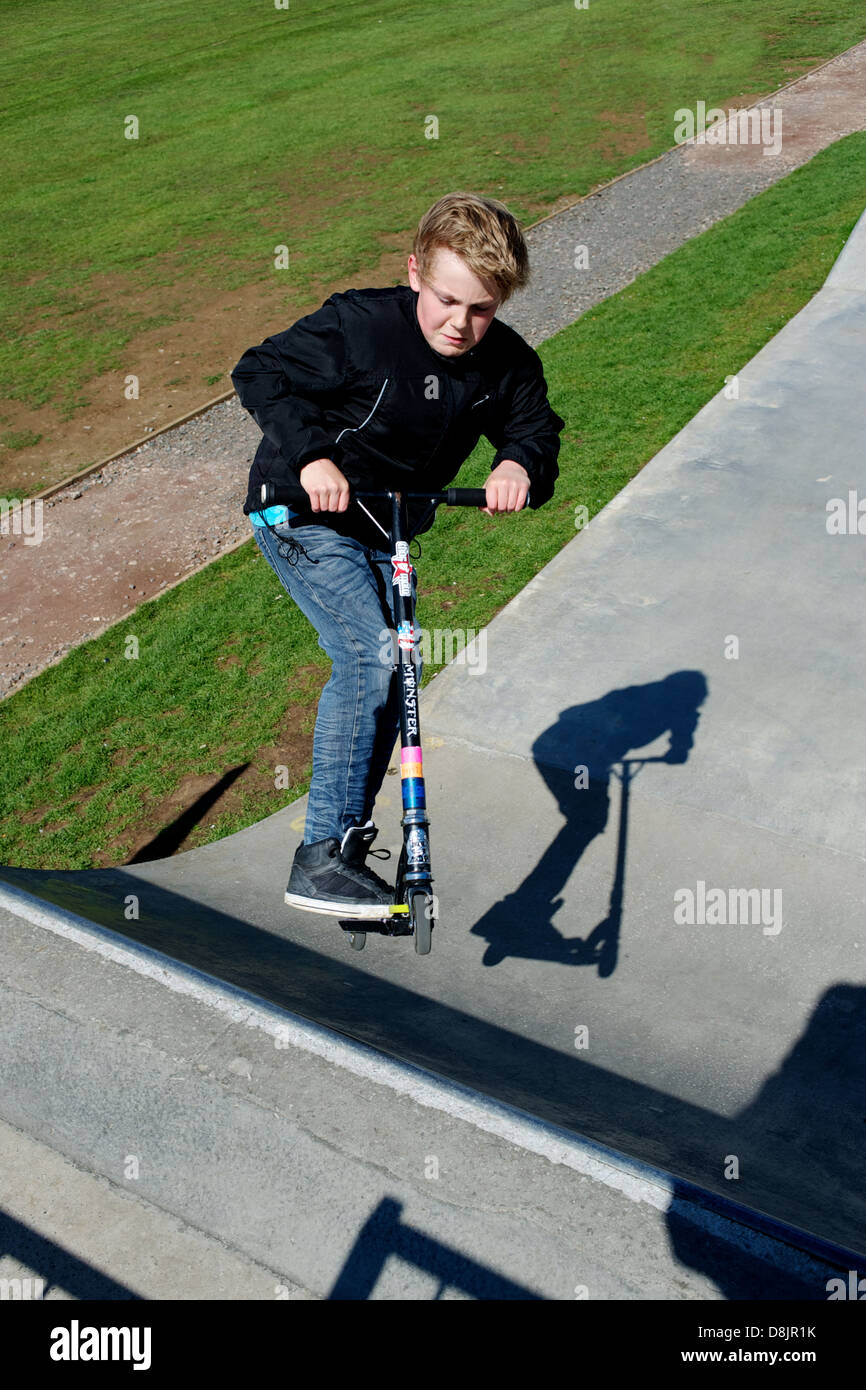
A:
(482, 232)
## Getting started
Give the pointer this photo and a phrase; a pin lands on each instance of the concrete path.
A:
(584, 972)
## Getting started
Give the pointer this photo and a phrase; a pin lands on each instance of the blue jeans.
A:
(345, 590)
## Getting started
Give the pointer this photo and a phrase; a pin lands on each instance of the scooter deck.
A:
(398, 925)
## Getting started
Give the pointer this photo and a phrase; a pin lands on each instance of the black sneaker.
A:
(322, 881)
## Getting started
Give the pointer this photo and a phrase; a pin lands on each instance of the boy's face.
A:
(455, 308)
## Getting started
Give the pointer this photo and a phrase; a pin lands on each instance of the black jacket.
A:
(358, 383)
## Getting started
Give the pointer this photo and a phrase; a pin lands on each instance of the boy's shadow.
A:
(595, 739)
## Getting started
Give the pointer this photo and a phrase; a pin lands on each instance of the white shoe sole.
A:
(361, 912)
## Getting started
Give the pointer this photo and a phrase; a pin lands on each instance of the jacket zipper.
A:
(353, 429)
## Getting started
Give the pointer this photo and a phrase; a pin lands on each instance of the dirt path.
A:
(153, 517)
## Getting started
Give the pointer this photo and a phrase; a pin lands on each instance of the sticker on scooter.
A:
(405, 636)
(402, 566)
(416, 847)
(411, 763)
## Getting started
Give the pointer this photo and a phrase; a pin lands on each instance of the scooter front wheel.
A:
(421, 917)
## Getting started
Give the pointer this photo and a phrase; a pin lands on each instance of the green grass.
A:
(19, 439)
(225, 659)
(306, 127)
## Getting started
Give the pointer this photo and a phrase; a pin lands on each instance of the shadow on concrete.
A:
(384, 1236)
(593, 739)
(172, 836)
(50, 1266)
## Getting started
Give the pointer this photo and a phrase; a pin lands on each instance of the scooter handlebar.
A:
(273, 495)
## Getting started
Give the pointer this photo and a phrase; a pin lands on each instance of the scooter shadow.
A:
(599, 734)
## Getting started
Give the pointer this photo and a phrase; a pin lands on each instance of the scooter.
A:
(413, 912)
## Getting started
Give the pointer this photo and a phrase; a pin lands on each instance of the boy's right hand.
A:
(325, 485)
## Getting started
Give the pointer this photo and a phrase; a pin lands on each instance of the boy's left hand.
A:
(507, 488)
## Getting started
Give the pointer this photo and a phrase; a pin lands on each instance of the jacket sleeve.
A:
(526, 429)
(286, 384)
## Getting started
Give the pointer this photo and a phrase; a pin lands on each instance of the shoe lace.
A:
(361, 871)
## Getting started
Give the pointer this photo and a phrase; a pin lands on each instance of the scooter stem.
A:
(415, 823)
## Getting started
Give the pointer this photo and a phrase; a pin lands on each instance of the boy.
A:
(385, 388)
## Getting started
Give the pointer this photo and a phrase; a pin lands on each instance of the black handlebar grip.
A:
(285, 494)
(466, 497)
